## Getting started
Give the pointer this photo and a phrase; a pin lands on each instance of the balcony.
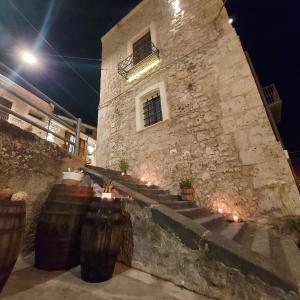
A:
(139, 62)
(274, 101)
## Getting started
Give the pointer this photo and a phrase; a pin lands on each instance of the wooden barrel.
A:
(57, 245)
(101, 239)
(12, 225)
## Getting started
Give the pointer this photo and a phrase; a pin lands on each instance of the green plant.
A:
(123, 165)
(186, 182)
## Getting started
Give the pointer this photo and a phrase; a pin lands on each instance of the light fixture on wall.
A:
(91, 149)
(230, 21)
(175, 4)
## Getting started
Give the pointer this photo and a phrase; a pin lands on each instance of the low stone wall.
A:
(159, 245)
(31, 164)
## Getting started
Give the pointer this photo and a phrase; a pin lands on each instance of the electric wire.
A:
(49, 44)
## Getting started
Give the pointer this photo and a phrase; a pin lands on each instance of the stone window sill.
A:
(151, 126)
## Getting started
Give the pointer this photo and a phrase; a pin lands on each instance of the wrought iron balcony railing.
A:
(139, 62)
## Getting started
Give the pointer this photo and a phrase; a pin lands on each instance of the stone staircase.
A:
(256, 242)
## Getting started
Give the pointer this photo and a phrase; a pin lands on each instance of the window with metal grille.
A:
(142, 48)
(152, 110)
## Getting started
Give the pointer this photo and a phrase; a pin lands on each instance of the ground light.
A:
(235, 218)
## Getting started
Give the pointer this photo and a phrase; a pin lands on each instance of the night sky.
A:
(269, 31)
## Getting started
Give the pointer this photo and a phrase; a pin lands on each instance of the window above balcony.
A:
(144, 57)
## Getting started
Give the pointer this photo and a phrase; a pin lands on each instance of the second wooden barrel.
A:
(12, 225)
(101, 239)
(57, 245)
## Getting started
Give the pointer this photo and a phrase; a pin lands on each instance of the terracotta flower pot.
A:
(188, 194)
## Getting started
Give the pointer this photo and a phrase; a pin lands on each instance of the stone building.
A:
(178, 98)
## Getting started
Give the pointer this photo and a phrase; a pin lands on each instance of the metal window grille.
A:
(152, 110)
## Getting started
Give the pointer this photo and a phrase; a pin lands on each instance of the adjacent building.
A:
(26, 104)
(23, 102)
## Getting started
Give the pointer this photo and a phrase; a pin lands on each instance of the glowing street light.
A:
(28, 57)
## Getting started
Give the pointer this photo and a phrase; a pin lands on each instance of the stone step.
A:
(204, 221)
(231, 230)
(139, 185)
(281, 255)
(151, 192)
(245, 236)
(261, 242)
(163, 197)
(179, 204)
(277, 253)
(194, 212)
(125, 179)
(104, 171)
(292, 256)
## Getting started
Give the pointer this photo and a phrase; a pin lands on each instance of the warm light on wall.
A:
(143, 71)
(220, 210)
(91, 149)
(230, 21)
(175, 4)
(50, 137)
(235, 218)
(149, 184)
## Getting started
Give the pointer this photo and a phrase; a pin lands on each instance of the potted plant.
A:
(187, 190)
(123, 165)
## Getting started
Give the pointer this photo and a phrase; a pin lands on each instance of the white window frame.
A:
(142, 97)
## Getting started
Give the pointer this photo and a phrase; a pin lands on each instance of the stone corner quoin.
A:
(217, 128)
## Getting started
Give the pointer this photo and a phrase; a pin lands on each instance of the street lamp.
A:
(28, 57)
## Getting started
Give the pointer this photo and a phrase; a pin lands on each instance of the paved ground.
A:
(28, 283)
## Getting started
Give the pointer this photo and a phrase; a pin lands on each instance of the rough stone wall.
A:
(218, 130)
(33, 165)
(150, 248)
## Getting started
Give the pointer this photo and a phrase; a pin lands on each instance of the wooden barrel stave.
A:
(100, 241)
(12, 225)
(59, 228)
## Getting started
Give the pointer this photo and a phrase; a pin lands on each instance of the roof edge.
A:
(132, 12)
